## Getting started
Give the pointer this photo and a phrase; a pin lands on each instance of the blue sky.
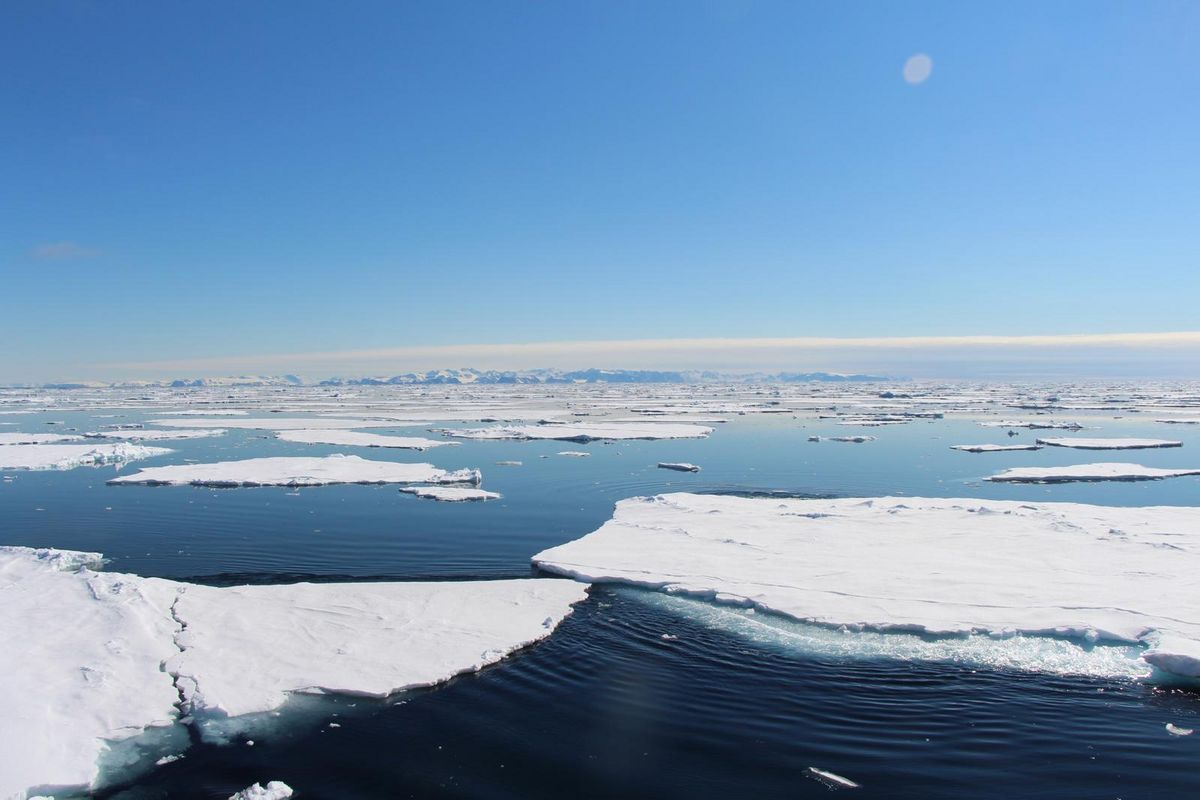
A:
(233, 180)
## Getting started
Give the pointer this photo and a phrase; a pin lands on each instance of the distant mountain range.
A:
(495, 377)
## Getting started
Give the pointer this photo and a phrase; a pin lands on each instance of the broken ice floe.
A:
(993, 448)
(575, 432)
(70, 456)
(682, 466)
(1088, 473)
(296, 471)
(450, 494)
(1110, 444)
(359, 439)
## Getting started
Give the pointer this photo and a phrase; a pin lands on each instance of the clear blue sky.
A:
(223, 179)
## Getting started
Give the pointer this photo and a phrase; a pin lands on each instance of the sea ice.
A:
(70, 456)
(993, 448)
(1080, 473)
(580, 432)
(274, 790)
(451, 494)
(155, 436)
(1110, 444)
(296, 471)
(678, 467)
(37, 438)
(359, 439)
(936, 566)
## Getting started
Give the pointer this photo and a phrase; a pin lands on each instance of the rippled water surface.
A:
(638, 694)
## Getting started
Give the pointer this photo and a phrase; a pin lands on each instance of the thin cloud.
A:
(61, 251)
(667, 353)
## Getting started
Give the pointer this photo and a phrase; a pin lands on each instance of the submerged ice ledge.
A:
(105, 655)
(933, 566)
(296, 471)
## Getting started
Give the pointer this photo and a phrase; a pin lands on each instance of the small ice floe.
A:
(37, 438)
(277, 424)
(274, 790)
(853, 439)
(137, 435)
(1175, 730)
(993, 448)
(831, 779)
(508, 463)
(1033, 425)
(681, 466)
(70, 456)
(162, 762)
(360, 439)
(574, 453)
(296, 471)
(1110, 444)
(1087, 473)
(581, 432)
(450, 494)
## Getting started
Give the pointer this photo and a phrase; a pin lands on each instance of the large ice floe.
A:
(7, 438)
(1088, 473)
(579, 432)
(149, 435)
(94, 658)
(70, 456)
(359, 439)
(277, 424)
(1109, 444)
(930, 566)
(296, 471)
(993, 448)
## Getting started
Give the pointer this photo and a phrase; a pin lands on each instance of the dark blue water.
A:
(607, 707)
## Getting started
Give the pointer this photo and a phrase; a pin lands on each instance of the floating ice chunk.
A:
(360, 439)
(155, 436)
(940, 566)
(296, 471)
(581, 432)
(450, 494)
(1175, 730)
(1032, 424)
(832, 779)
(852, 439)
(1110, 444)
(103, 656)
(574, 453)
(275, 790)
(37, 438)
(1088, 473)
(70, 456)
(508, 463)
(993, 448)
(277, 424)
(679, 467)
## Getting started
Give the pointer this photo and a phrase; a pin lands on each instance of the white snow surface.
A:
(940, 566)
(143, 435)
(103, 656)
(359, 439)
(994, 448)
(274, 790)
(37, 438)
(450, 494)
(276, 424)
(296, 471)
(70, 456)
(585, 432)
(1109, 444)
(1076, 473)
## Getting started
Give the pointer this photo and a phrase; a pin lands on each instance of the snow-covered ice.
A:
(277, 423)
(359, 439)
(450, 494)
(296, 471)
(103, 656)
(994, 448)
(70, 456)
(274, 790)
(1083, 473)
(1109, 444)
(581, 432)
(937, 566)
(143, 435)
(681, 466)
(37, 438)
(574, 453)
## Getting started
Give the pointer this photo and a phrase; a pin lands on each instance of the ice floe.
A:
(1084, 473)
(450, 494)
(296, 471)
(274, 790)
(576, 432)
(1110, 444)
(277, 424)
(932, 566)
(681, 466)
(104, 656)
(574, 453)
(142, 435)
(70, 456)
(359, 439)
(37, 438)
(993, 448)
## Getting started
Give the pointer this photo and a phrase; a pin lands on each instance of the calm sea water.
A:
(607, 707)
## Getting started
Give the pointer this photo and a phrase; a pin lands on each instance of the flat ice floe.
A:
(681, 466)
(143, 435)
(296, 471)
(360, 439)
(1084, 473)
(104, 656)
(579, 432)
(450, 494)
(1036, 425)
(994, 448)
(37, 438)
(274, 790)
(937, 566)
(70, 456)
(277, 424)
(1110, 444)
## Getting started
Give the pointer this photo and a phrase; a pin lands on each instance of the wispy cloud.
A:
(749, 354)
(62, 251)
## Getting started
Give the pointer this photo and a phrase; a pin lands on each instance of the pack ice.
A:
(103, 656)
(296, 471)
(576, 432)
(938, 566)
